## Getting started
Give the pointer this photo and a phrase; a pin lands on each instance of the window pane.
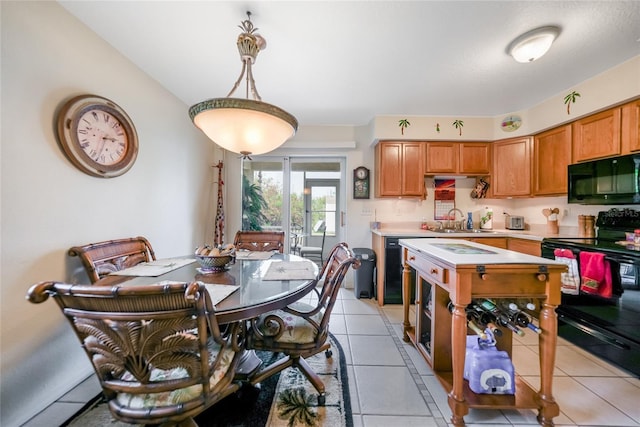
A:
(262, 196)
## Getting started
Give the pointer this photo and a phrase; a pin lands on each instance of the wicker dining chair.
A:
(300, 330)
(260, 241)
(102, 258)
(158, 351)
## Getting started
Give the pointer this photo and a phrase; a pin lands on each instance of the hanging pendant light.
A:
(245, 126)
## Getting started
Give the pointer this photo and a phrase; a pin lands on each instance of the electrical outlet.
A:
(366, 211)
(565, 213)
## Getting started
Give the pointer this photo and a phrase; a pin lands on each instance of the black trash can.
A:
(365, 275)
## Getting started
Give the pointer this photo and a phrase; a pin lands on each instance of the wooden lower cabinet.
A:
(440, 335)
(524, 246)
(496, 242)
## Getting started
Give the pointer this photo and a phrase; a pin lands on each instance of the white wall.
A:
(48, 205)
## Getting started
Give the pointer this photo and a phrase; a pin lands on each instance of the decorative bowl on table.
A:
(215, 258)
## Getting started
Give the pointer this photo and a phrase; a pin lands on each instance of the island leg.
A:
(456, 399)
(547, 342)
(406, 297)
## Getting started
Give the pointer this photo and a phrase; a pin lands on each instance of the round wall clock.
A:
(97, 136)
(361, 183)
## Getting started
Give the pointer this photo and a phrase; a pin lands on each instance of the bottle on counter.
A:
(423, 224)
(469, 220)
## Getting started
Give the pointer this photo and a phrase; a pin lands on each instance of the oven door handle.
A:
(594, 333)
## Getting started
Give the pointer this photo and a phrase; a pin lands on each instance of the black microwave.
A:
(612, 181)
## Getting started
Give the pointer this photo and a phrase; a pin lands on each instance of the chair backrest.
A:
(321, 227)
(341, 258)
(296, 234)
(100, 259)
(157, 349)
(260, 241)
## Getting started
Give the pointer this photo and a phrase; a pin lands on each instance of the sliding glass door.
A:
(294, 193)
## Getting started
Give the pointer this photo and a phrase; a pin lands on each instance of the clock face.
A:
(102, 137)
(97, 136)
(361, 173)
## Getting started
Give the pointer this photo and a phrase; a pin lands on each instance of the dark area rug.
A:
(285, 399)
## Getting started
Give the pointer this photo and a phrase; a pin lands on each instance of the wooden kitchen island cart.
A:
(459, 271)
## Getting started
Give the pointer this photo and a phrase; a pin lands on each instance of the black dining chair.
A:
(316, 252)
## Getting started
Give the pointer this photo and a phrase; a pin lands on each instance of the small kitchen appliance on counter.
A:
(512, 222)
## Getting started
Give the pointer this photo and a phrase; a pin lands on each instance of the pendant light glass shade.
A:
(533, 44)
(244, 126)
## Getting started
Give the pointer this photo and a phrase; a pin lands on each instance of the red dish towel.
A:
(596, 274)
(570, 281)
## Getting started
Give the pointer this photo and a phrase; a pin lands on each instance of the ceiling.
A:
(343, 62)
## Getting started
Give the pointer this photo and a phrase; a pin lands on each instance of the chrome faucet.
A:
(457, 226)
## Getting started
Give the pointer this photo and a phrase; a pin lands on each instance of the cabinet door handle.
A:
(412, 258)
(433, 271)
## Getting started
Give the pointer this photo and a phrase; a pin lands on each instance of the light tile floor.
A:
(391, 385)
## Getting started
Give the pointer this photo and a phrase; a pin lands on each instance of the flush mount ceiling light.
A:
(533, 44)
(245, 126)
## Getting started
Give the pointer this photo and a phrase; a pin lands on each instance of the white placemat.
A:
(154, 268)
(253, 255)
(219, 292)
(287, 270)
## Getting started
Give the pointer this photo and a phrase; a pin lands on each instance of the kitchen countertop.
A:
(457, 253)
(537, 235)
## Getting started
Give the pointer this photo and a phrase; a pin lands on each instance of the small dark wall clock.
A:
(361, 183)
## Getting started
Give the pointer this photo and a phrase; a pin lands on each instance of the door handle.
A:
(341, 218)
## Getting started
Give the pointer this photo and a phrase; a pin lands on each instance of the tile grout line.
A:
(417, 379)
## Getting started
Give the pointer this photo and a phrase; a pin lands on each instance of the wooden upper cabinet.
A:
(511, 175)
(471, 158)
(442, 157)
(413, 170)
(597, 136)
(388, 164)
(399, 169)
(475, 158)
(551, 156)
(630, 132)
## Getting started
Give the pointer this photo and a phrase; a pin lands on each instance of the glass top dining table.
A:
(254, 295)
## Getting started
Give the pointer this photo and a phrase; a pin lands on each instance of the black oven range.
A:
(600, 308)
